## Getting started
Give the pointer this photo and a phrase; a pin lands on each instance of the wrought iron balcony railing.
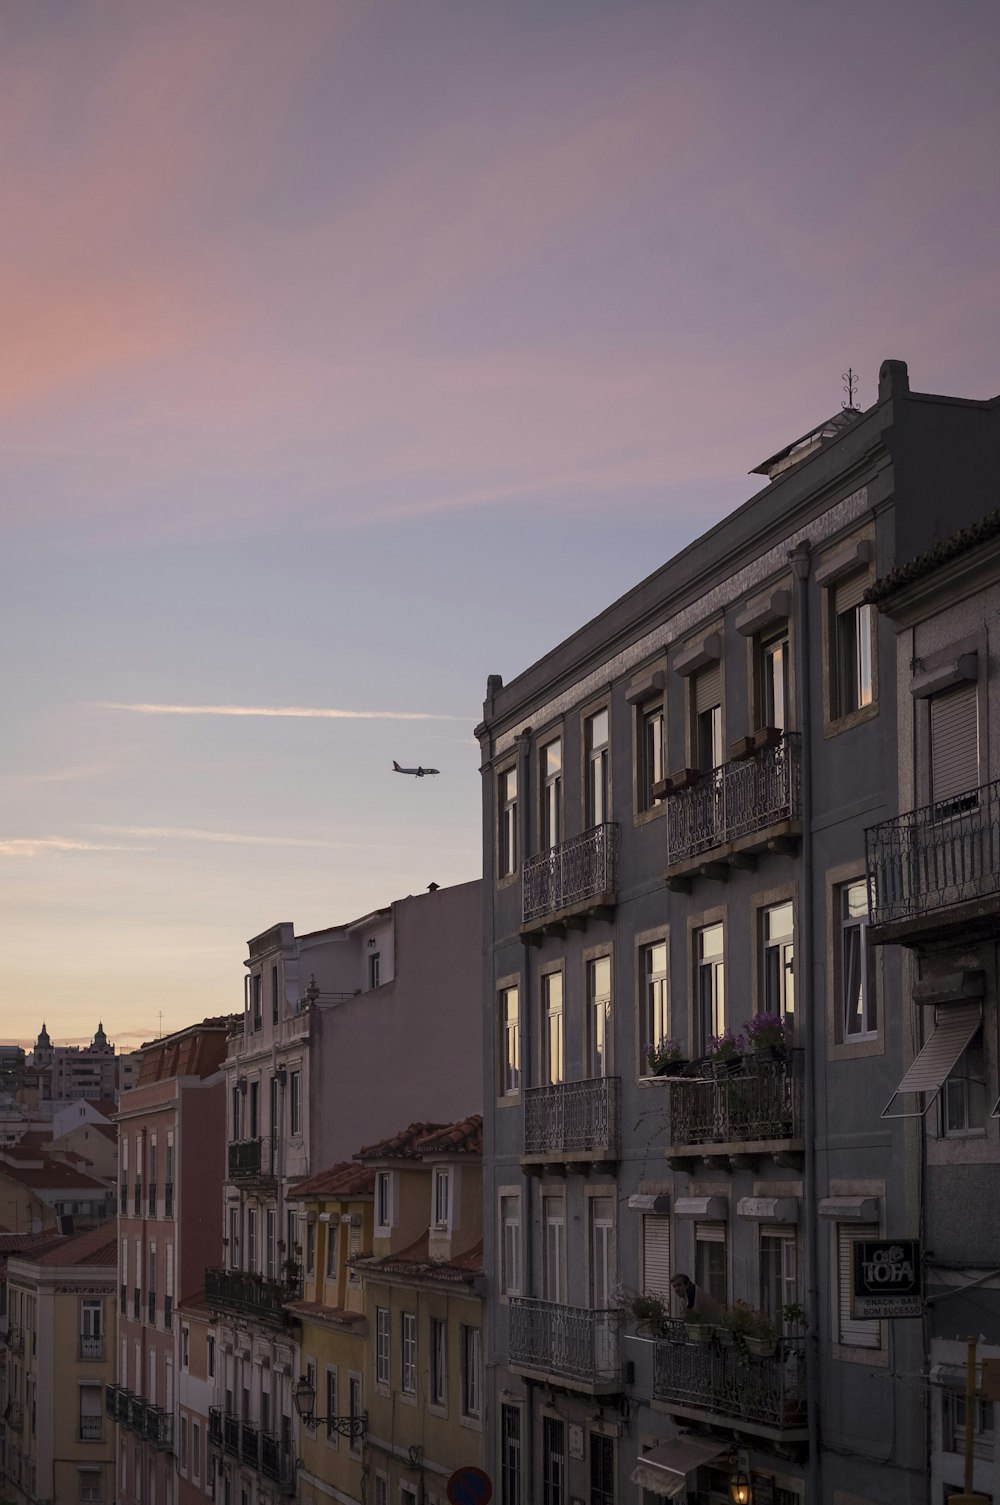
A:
(573, 1118)
(151, 1199)
(251, 1159)
(111, 1401)
(136, 1304)
(276, 1463)
(249, 1444)
(731, 1383)
(14, 1416)
(124, 1405)
(738, 800)
(91, 1428)
(158, 1426)
(15, 1339)
(137, 1414)
(123, 1203)
(137, 1205)
(573, 874)
(935, 858)
(91, 1346)
(250, 1295)
(168, 1199)
(151, 1306)
(215, 1426)
(759, 1105)
(571, 1342)
(231, 1435)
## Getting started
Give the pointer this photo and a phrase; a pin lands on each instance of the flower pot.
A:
(769, 1053)
(699, 1332)
(725, 1337)
(762, 1348)
(671, 1068)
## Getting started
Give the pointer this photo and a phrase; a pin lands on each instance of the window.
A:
(381, 1490)
(210, 1355)
(442, 1196)
(551, 783)
(602, 1470)
(182, 1458)
(655, 996)
(254, 1110)
(954, 745)
(439, 1363)
(777, 992)
(510, 1455)
(295, 1102)
(598, 1016)
(90, 1485)
(711, 1273)
(332, 1435)
(196, 1450)
(706, 699)
(598, 806)
(331, 1251)
(355, 1409)
(953, 1414)
(472, 1382)
(853, 636)
(91, 1414)
(650, 754)
(353, 1248)
(383, 1202)
(256, 985)
(963, 1097)
(853, 1333)
(510, 1245)
(185, 1347)
(779, 1279)
(507, 832)
(553, 1062)
(554, 1249)
(553, 1461)
(602, 1252)
(710, 963)
(772, 680)
(374, 969)
(656, 1256)
(270, 1247)
(310, 1248)
(409, 1353)
(510, 1042)
(382, 1376)
(91, 1329)
(251, 1263)
(275, 1004)
(857, 997)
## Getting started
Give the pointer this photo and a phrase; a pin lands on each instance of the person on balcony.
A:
(698, 1302)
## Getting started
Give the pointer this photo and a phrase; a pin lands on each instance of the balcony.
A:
(566, 1345)
(168, 1312)
(276, 1463)
(935, 872)
(14, 1416)
(231, 1435)
(168, 1199)
(158, 1426)
(570, 882)
(756, 1112)
(136, 1414)
(731, 813)
(137, 1305)
(249, 1444)
(214, 1427)
(111, 1401)
(246, 1295)
(137, 1204)
(91, 1346)
(151, 1200)
(151, 1307)
(123, 1202)
(763, 1396)
(91, 1428)
(124, 1406)
(15, 1339)
(572, 1121)
(252, 1160)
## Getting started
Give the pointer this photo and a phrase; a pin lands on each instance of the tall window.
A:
(602, 1252)
(777, 960)
(602, 1470)
(510, 1245)
(507, 833)
(859, 1019)
(439, 1362)
(650, 753)
(408, 1332)
(257, 991)
(442, 1196)
(598, 769)
(382, 1345)
(655, 996)
(706, 692)
(854, 1332)
(656, 1255)
(252, 1238)
(472, 1371)
(510, 1042)
(331, 1251)
(331, 1404)
(553, 1461)
(963, 1097)
(554, 1057)
(374, 969)
(383, 1201)
(275, 1005)
(779, 1276)
(254, 1110)
(772, 670)
(954, 739)
(270, 1243)
(711, 1273)
(598, 1016)
(551, 772)
(510, 1455)
(554, 1248)
(710, 961)
(295, 1102)
(91, 1413)
(853, 639)
(310, 1248)
(355, 1410)
(91, 1329)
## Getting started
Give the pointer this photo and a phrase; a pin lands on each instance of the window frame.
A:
(508, 854)
(437, 1400)
(551, 817)
(599, 1014)
(596, 768)
(850, 560)
(383, 1348)
(510, 1254)
(385, 1202)
(702, 967)
(646, 978)
(471, 1352)
(443, 1196)
(508, 1040)
(408, 1354)
(548, 1012)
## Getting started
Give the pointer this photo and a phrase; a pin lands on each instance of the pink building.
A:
(172, 1137)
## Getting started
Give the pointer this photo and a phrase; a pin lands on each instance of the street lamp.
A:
(304, 1395)
(740, 1489)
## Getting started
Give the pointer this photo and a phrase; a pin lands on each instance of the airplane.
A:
(418, 773)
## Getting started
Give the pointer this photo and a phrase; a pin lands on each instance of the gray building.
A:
(674, 814)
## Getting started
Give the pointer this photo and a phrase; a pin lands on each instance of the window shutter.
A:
(954, 742)
(854, 1334)
(848, 592)
(712, 1233)
(656, 1256)
(707, 688)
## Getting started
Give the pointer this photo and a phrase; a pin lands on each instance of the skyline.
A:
(353, 360)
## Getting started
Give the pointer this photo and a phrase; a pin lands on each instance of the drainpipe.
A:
(807, 1016)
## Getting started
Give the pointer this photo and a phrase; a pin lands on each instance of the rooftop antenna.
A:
(850, 380)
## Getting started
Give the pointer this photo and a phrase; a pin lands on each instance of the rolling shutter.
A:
(656, 1256)
(854, 1334)
(847, 593)
(954, 742)
(707, 688)
(954, 1029)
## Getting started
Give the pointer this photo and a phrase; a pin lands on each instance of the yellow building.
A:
(422, 1287)
(61, 1311)
(335, 1209)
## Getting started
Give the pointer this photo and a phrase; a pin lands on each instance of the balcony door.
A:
(779, 1276)
(554, 1049)
(711, 980)
(599, 1016)
(598, 770)
(551, 771)
(603, 1278)
(554, 1250)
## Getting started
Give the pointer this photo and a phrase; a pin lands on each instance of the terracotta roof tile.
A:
(959, 543)
(345, 1179)
(465, 1136)
(96, 1246)
(415, 1260)
(317, 1309)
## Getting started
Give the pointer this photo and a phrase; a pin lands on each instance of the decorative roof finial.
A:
(850, 380)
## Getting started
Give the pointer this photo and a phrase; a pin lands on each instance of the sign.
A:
(470, 1486)
(887, 1279)
(989, 1387)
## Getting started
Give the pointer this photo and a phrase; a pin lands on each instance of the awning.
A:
(849, 1209)
(643, 1201)
(769, 1209)
(714, 1208)
(952, 1033)
(664, 1471)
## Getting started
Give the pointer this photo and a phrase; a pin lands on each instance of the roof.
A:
(959, 543)
(96, 1246)
(317, 1309)
(419, 1139)
(415, 1261)
(823, 432)
(105, 1105)
(345, 1179)
(54, 1175)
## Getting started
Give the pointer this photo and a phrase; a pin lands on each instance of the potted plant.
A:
(649, 1311)
(769, 1036)
(760, 1339)
(696, 1329)
(725, 1052)
(665, 1058)
(792, 1316)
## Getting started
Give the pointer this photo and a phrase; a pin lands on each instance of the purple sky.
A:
(356, 351)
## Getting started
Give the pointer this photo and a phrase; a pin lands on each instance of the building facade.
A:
(674, 814)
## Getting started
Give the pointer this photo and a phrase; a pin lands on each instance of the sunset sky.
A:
(355, 351)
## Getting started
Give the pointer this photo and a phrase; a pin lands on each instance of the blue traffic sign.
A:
(470, 1486)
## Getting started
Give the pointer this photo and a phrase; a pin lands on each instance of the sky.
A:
(355, 351)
